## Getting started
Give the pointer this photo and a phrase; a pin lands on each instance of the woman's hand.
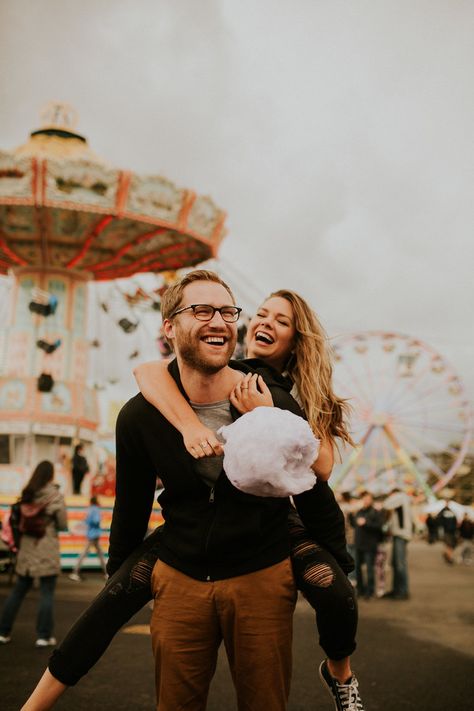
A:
(200, 441)
(251, 392)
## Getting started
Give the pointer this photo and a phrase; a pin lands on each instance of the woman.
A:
(286, 335)
(38, 556)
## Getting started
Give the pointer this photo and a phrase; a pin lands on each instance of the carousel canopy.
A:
(62, 206)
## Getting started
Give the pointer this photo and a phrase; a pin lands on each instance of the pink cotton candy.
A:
(269, 452)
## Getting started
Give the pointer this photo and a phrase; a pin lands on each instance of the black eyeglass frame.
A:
(214, 309)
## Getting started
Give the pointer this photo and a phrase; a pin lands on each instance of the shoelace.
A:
(349, 695)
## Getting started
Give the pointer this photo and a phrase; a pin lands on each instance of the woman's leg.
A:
(81, 558)
(95, 542)
(13, 603)
(45, 621)
(329, 592)
(127, 591)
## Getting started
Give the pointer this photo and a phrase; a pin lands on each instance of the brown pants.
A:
(252, 613)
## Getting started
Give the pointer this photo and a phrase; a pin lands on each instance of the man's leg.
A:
(185, 638)
(256, 617)
(399, 561)
(359, 562)
(370, 563)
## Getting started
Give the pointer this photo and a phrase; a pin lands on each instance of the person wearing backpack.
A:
(42, 514)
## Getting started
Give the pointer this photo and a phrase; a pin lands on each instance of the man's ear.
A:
(168, 328)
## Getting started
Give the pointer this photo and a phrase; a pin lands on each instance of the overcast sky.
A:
(337, 135)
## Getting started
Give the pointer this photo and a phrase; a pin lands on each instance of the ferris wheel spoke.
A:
(434, 426)
(359, 394)
(434, 445)
(409, 384)
(428, 394)
(407, 461)
(411, 392)
(437, 406)
(347, 466)
(361, 387)
(411, 445)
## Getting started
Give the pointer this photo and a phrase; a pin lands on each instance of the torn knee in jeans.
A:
(140, 575)
(304, 548)
(320, 575)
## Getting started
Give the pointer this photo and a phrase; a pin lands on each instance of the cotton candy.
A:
(269, 452)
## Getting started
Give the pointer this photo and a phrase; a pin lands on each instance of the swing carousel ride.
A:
(67, 218)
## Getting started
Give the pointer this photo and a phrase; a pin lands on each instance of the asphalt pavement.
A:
(412, 655)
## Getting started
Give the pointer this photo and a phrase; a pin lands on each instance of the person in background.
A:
(80, 468)
(348, 504)
(448, 522)
(466, 534)
(368, 529)
(38, 555)
(93, 539)
(382, 551)
(432, 529)
(400, 527)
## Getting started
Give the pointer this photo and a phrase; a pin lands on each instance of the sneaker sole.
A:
(325, 684)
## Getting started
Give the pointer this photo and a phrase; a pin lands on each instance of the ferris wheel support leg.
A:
(347, 467)
(352, 461)
(407, 461)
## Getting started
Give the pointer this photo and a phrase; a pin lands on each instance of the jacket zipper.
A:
(211, 501)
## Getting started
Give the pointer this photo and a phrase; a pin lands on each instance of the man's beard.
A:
(188, 348)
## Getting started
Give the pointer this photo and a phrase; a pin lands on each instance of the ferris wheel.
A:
(411, 418)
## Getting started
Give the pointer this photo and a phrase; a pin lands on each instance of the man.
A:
(348, 506)
(368, 530)
(400, 526)
(224, 572)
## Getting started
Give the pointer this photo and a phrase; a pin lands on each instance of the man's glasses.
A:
(204, 312)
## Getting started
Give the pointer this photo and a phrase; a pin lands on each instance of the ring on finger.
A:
(204, 444)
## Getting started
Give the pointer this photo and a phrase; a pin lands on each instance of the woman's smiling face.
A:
(271, 332)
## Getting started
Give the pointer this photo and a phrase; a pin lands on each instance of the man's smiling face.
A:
(206, 346)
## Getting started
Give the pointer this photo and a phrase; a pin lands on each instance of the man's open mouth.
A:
(263, 337)
(214, 340)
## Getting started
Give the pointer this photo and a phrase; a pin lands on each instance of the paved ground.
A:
(415, 655)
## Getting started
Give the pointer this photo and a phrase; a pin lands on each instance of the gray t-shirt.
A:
(213, 415)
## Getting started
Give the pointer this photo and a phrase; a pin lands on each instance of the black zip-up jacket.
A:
(209, 534)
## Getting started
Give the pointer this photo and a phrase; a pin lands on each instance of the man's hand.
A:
(200, 441)
(251, 392)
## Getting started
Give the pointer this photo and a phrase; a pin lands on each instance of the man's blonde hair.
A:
(171, 299)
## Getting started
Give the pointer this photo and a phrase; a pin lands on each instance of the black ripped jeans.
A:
(327, 589)
(316, 572)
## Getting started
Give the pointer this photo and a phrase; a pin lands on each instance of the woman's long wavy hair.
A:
(42, 475)
(310, 368)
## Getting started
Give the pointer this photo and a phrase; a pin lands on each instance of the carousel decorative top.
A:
(62, 206)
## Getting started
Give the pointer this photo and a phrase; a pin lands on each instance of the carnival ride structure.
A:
(67, 218)
(411, 418)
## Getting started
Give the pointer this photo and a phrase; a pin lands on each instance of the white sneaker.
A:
(4, 639)
(51, 642)
(76, 577)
